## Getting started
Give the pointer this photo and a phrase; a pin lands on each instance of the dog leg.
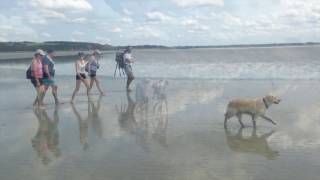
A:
(225, 121)
(226, 117)
(254, 121)
(268, 119)
(240, 132)
(239, 115)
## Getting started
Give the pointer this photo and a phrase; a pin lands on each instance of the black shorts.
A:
(92, 75)
(34, 82)
(82, 75)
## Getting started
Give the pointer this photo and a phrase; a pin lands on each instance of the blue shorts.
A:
(48, 82)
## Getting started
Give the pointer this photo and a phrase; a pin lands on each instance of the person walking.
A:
(128, 61)
(93, 66)
(36, 77)
(80, 75)
(48, 75)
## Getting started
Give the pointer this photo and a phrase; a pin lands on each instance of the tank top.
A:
(82, 67)
(38, 71)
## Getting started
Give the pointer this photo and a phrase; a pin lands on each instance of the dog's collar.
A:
(265, 103)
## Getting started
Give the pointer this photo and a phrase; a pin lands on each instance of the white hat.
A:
(40, 51)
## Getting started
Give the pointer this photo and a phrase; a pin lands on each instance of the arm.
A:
(46, 70)
(34, 67)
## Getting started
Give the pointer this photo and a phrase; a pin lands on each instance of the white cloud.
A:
(127, 12)
(190, 22)
(300, 12)
(77, 33)
(79, 5)
(42, 16)
(192, 3)
(46, 35)
(146, 32)
(126, 20)
(13, 28)
(116, 30)
(51, 14)
(80, 20)
(157, 16)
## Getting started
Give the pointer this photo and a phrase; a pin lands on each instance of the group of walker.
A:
(42, 73)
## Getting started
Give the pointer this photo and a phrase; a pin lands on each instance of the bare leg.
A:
(40, 92)
(35, 102)
(91, 82)
(85, 82)
(239, 115)
(54, 89)
(98, 86)
(44, 92)
(75, 90)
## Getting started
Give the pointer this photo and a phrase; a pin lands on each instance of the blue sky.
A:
(161, 22)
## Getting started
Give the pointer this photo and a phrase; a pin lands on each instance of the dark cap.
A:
(80, 54)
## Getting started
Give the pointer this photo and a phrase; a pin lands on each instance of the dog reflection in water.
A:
(147, 116)
(253, 144)
(46, 139)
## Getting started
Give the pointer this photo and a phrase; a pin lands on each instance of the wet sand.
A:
(178, 135)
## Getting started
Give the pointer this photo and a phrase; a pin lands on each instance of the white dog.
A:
(253, 107)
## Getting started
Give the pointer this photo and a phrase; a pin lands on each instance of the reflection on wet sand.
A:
(92, 118)
(83, 126)
(136, 119)
(253, 144)
(46, 139)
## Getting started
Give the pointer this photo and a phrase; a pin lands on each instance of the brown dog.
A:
(253, 107)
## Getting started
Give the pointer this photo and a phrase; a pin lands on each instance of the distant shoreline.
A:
(15, 53)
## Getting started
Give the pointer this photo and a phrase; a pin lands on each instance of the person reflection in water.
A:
(254, 144)
(46, 139)
(94, 117)
(136, 119)
(83, 126)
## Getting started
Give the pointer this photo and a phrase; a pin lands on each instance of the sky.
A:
(161, 22)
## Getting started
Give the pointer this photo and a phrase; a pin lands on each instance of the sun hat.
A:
(39, 52)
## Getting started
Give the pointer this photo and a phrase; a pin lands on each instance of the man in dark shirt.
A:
(49, 73)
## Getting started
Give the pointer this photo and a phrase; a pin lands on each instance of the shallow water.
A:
(208, 63)
(179, 135)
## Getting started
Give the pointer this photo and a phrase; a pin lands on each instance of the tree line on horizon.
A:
(85, 46)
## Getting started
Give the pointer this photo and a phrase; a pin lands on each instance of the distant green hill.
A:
(56, 45)
(85, 46)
